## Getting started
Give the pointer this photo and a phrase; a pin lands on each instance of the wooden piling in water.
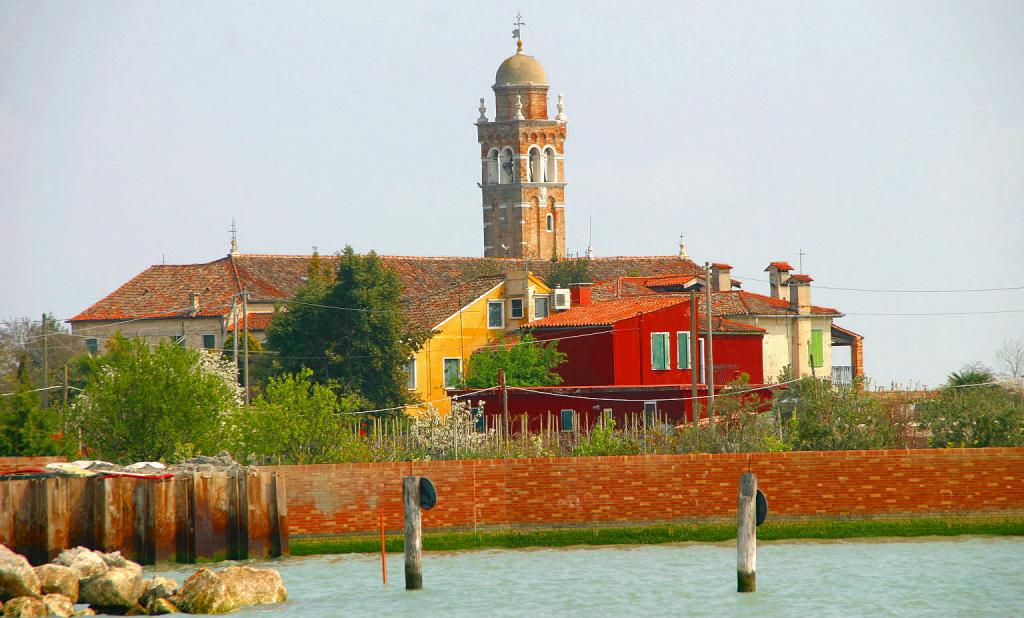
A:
(746, 535)
(413, 533)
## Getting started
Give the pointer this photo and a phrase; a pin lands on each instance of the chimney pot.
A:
(579, 293)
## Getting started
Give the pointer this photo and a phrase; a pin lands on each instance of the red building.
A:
(631, 356)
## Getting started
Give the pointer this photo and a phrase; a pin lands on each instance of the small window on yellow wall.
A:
(515, 308)
(495, 314)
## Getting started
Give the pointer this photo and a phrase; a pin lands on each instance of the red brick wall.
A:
(9, 464)
(346, 498)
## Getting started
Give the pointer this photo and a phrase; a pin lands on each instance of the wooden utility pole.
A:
(746, 535)
(709, 368)
(245, 340)
(693, 358)
(46, 357)
(504, 401)
(234, 317)
(413, 533)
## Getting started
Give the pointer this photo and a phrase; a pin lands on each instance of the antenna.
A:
(234, 237)
(802, 254)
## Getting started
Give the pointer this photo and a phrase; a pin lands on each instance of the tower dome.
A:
(520, 69)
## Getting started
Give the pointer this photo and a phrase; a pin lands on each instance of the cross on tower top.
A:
(517, 33)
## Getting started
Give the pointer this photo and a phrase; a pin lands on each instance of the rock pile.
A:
(112, 584)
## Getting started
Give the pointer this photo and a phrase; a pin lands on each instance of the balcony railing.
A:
(842, 375)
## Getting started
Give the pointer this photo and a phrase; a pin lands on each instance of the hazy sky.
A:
(884, 139)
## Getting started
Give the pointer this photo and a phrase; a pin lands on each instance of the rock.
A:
(115, 560)
(119, 587)
(59, 605)
(17, 579)
(25, 607)
(88, 611)
(58, 579)
(160, 606)
(157, 588)
(249, 586)
(203, 593)
(137, 610)
(83, 561)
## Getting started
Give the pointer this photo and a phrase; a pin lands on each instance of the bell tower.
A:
(522, 165)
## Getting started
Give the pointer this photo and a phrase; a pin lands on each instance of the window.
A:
(495, 314)
(683, 350)
(567, 419)
(478, 419)
(492, 168)
(650, 413)
(540, 307)
(209, 342)
(508, 167)
(92, 345)
(177, 340)
(703, 358)
(817, 350)
(534, 167)
(515, 308)
(659, 351)
(410, 374)
(452, 372)
(549, 165)
(551, 223)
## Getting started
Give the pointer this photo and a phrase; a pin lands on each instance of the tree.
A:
(144, 404)
(974, 416)
(825, 419)
(299, 421)
(971, 374)
(526, 362)
(568, 270)
(348, 327)
(25, 345)
(27, 428)
(1010, 359)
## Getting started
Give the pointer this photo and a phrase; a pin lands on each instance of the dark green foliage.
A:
(990, 415)
(568, 270)
(526, 362)
(143, 403)
(650, 535)
(821, 418)
(364, 345)
(972, 374)
(26, 427)
(603, 440)
(298, 421)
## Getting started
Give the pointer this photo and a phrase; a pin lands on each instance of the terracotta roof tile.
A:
(607, 312)
(433, 287)
(779, 266)
(257, 322)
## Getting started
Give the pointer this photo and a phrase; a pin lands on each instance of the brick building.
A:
(522, 164)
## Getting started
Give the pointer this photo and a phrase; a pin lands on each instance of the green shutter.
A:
(817, 349)
(683, 350)
(659, 351)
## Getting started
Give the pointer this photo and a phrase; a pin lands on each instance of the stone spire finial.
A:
(483, 113)
(560, 116)
(518, 108)
(682, 248)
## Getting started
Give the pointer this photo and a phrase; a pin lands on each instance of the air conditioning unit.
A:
(560, 298)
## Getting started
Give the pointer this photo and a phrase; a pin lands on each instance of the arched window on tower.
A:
(508, 167)
(534, 167)
(550, 166)
(492, 167)
(551, 222)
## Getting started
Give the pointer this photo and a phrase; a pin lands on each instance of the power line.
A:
(898, 291)
(940, 313)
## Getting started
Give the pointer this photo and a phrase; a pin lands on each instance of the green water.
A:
(948, 577)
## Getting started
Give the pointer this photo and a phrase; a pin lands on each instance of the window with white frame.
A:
(495, 314)
(550, 224)
(452, 372)
(515, 308)
(650, 413)
(410, 374)
(660, 358)
(540, 307)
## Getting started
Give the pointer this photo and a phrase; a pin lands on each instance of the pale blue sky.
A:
(885, 139)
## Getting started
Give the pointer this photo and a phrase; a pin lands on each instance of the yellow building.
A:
(489, 308)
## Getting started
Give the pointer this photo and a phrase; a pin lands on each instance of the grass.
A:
(647, 535)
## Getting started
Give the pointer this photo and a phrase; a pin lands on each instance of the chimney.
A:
(778, 277)
(721, 277)
(193, 299)
(800, 293)
(579, 294)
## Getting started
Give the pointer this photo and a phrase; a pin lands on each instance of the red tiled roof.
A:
(607, 312)
(779, 266)
(802, 278)
(721, 266)
(257, 322)
(741, 302)
(432, 287)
